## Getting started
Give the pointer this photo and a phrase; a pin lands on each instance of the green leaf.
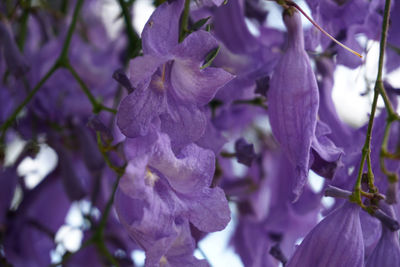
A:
(210, 57)
(200, 23)
(394, 48)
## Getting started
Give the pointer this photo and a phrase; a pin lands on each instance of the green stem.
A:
(392, 177)
(90, 96)
(24, 26)
(27, 99)
(134, 40)
(109, 204)
(379, 81)
(62, 59)
(98, 237)
(118, 170)
(185, 21)
(370, 175)
(97, 107)
(366, 151)
(392, 115)
(103, 250)
(64, 6)
(64, 52)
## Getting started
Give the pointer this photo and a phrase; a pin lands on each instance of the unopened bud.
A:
(333, 191)
(386, 220)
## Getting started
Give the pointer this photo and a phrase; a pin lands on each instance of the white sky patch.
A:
(13, 149)
(74, 217)
(216, 245)
(36, 169)
(393, 78)
(109, 11)
(274, 19)
(328, 202)
(70, 237)
(351, 106)
(315, 181)
(298, 241)
(138, 257)
(142, 10)
(252, 27)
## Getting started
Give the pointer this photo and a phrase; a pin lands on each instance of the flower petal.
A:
(336, 241)
(190, 83)
(293, 102)
(141, 69)
(209, 210)
(183, 123)
(138, 109)
(161, 32)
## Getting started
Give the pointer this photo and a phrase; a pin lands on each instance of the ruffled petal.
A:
(138, 109)
(326, 156)
(195, 85)
(208, 209)
(142, 68)
(161, 32)
(184, 123)
(191, 171)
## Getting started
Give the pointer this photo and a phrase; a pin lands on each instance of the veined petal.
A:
(208, 209)
(387, 251)
(336, 241)
(183, 123)
(138, 109)
(142, 68)
(138, 217)
(326, 156)
(195, 85)
(191, 171)
(196, 46)
(237, 37)
(161, 32)
(293, 102)
(180, 253)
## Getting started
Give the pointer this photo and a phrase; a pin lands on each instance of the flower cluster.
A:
(209, 115)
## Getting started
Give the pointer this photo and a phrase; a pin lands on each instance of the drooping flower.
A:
(16, 63)
(161, 193)
(336, 241)
(293, 101)
(387, 251)
(170, 84)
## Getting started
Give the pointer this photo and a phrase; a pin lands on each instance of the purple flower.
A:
(243, 54)
(160, 193)
(244, 152)
(30, 232)
(336, 241)
(342, 19)
(387, 251)
(15, 61)
(293, 102)
(325, 157)
(170, 84)
(8, 182)
(252, 243)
